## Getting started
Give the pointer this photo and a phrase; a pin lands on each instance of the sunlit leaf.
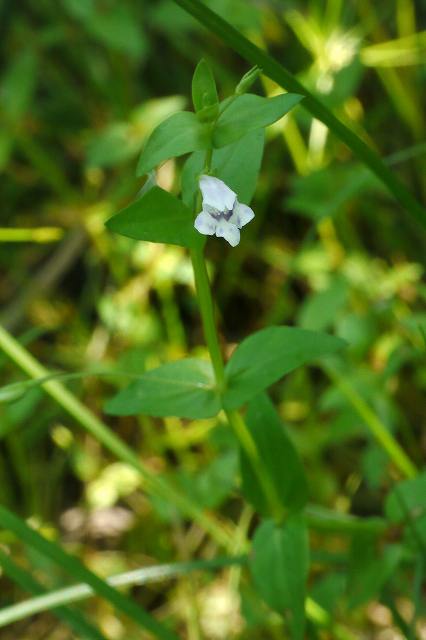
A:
(185, 388)
(181, 133)
(248, 112)
(266, 356)
(156, 217)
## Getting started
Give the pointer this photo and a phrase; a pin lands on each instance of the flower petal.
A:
(205, 224)
(228, 231)
(241, 215)
(217, 194)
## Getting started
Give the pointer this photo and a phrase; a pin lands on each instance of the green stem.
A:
(207, 314)
(376, 427)
(282, 77)
(235, 420)
(152, 483)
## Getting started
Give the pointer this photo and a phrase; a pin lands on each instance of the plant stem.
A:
(207, 314)
(235, 420)
(374, 425)
(152, 483)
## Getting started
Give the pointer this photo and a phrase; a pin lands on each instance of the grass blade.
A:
(75, 568)
(153, 484)
(285, 79)
(73, 619)
(78, 592)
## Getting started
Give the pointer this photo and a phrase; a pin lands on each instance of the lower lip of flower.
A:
(222, 215)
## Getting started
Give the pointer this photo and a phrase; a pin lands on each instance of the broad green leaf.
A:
(204, 92)
(77, 569)
(369, 570)
(75, 620)
(179, 134)
(156, 217)
(185, 388)
(279, 457)
(265, 356)
(279, 565)
(237, 164)
(248, 112)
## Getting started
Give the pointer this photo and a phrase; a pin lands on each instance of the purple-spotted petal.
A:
(217, 194)
(241, 215)
(205, 224)
(228, 231)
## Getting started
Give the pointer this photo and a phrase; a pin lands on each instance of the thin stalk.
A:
(207, 314)
(376, 427)
(235, 420)
(93, 425)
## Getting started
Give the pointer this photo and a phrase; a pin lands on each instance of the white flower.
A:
(222, 214)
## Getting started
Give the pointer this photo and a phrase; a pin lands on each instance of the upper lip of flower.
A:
(222, 214)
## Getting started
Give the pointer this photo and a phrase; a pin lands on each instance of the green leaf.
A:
(279, 457)
(179, 134)
(279, 74)
(247, 80)
(279, 565)
(321, 308)
(75, 568)
(156, 217)
(237, 164)
(406, 504)
(328, 192)
(248, 112)
(264, 357)
(204, 92)
(72, 618)
(369, 570)
(116, 26)
(185, 388)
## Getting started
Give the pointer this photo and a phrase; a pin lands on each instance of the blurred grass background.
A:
(82, 85)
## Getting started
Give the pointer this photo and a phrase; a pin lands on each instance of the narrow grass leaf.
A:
(75, 568)
(75, 620)
(53, 600)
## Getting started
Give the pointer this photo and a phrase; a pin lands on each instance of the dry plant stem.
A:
(152, 483)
